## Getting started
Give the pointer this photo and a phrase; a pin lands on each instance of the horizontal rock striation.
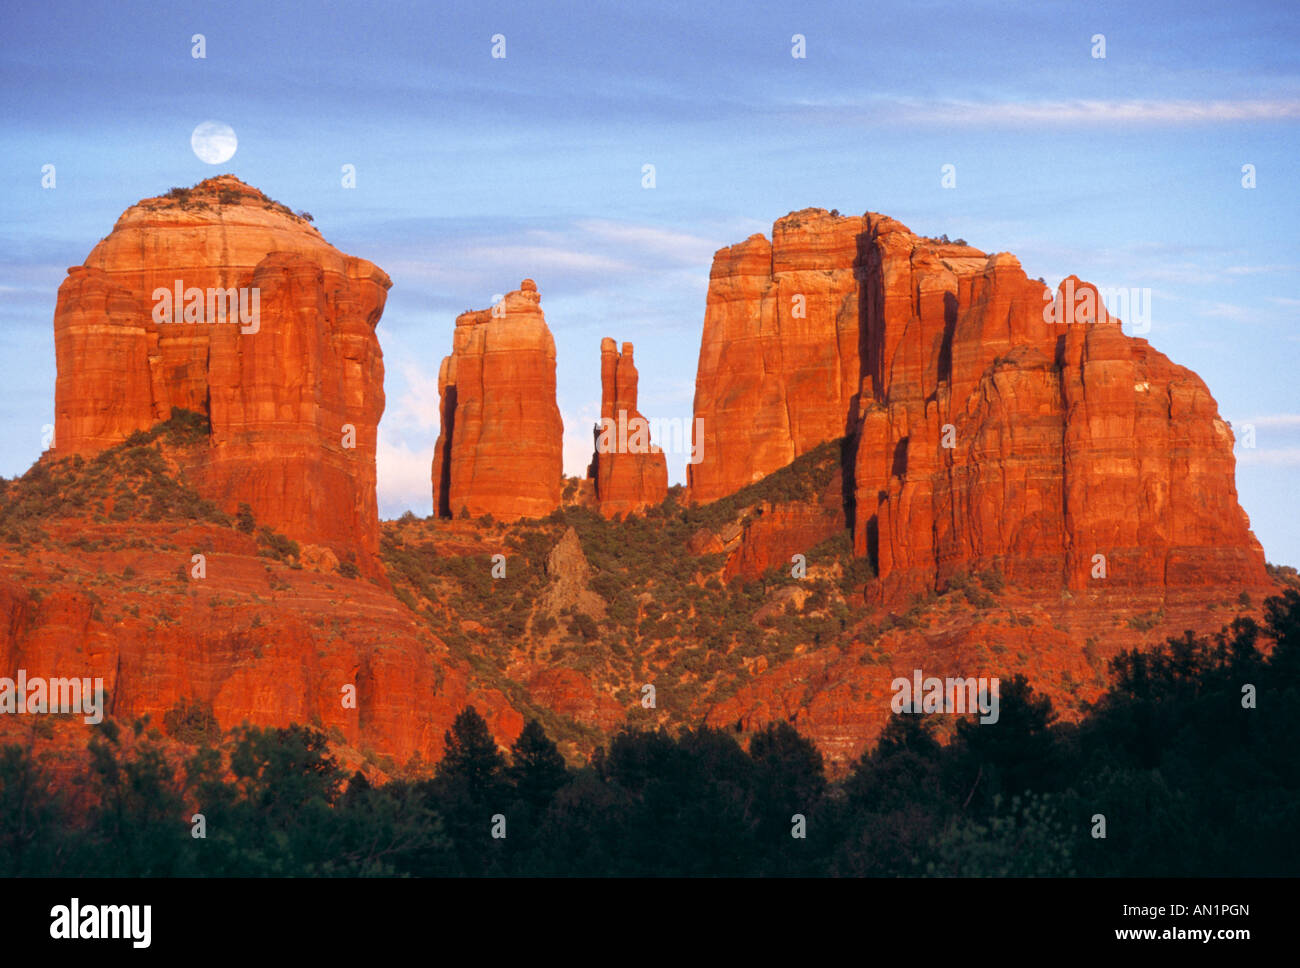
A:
(629, 471)
(991, 423)
(500, 447)
(273, 340)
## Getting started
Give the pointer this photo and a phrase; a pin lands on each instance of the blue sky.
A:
(475, 172)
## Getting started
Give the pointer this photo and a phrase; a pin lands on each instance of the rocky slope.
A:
(702, 602)
(98, 578)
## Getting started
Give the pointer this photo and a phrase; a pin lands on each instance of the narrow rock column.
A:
(630, 472)
(500, 449)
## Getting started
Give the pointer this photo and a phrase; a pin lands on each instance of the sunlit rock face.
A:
(273, 340)
(500, 450)
(630, 471)
(991, 423)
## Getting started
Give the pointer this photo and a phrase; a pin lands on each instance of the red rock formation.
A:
(259, 642)
(987, 434)
(630, 473)
(779, 357)
(281, 390)
(500, 448)
(983, 436)
(569, 692)
(778, 532)
(1072, 448)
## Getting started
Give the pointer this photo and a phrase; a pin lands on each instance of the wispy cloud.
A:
(570, 256)
(1222, 310)
(578, 441)
(404, 483)
(1280, 430)
(1258, 270)
(1152, 111)
(686, 249)
(1275, 420)
(1280, 456)
(417, 403)
(547, 255)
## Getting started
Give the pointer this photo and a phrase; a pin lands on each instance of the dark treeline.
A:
(1187, 757)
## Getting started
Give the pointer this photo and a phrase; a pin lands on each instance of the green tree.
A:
(1025, 838)
(537, 769)
(470, 755)
(387, 830)
(898, 797)
(276, 814)
(469, 788)
(34, 820)
(139, 817)
(789, 779)
(1019, 751)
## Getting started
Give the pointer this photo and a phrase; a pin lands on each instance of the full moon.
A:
(214, 142)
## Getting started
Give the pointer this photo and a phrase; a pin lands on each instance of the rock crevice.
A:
(630, 472)
(993, 423)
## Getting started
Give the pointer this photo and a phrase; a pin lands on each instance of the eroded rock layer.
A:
(630, 472)
(500, 446)
(218, 300)
(779, 356)
(994, 424)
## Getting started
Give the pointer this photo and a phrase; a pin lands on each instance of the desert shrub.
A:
(276, 545)
(1148, 621)
(192, 721)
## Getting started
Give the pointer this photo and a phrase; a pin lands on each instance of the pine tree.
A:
(1019, 749)
(788, 766)
(468, 789)
(470, 756)
(537, 769)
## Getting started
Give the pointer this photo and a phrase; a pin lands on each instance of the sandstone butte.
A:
(978, 434)
(257, 641)
(1068, 440)
(500, 447)
(630, 472)
(294, 405)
